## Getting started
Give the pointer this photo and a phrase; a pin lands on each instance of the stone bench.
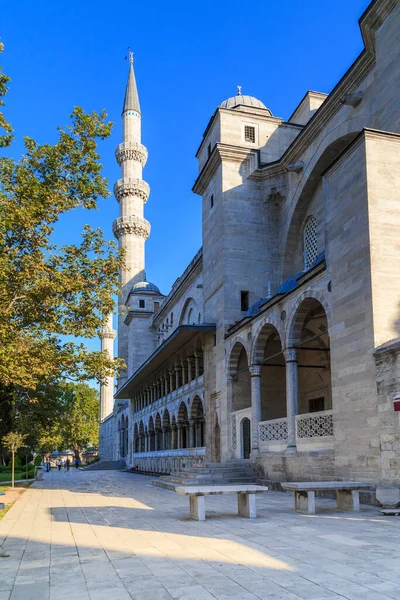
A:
(347, 494)
(245, 494)
(1, 503)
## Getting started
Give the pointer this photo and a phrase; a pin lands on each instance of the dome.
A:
(241, 100)
(145, 286)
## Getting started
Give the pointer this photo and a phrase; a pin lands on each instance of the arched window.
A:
(310, 241)
(190, 316)
(172, 318)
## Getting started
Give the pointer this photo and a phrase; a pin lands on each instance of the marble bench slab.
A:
(347, 493)
(1, 503)
(245, 494)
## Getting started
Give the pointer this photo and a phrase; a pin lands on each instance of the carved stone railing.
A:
(314, 425)
(171, 453)
(131, 151)
(273, 431)
(131, 186)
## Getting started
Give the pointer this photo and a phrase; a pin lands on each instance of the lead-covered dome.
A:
(145, 286)
(242, 100)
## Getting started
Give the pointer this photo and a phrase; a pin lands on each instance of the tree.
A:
(49, 292)
(78, 426)
(13, 441)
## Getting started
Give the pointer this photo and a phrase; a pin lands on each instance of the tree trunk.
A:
(12, 469)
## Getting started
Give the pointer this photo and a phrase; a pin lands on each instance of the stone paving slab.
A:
(110, 535)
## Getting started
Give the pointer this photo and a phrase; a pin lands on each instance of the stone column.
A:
(177, 383)
(255, 372)
(190, 368)
(192, 442)
(196, 365)
(183, 371)
(179, 428)
(292, 395)
(173, 437)
(163, 439)
(156, 440)
(225, 422)
(171, 381)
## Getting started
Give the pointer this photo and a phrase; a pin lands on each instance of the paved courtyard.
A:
(111, 536)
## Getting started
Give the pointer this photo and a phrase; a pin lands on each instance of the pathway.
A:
(109, 535)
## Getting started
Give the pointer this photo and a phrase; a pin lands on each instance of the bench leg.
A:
(247, 505)
(197, 508)
(304, 502)
(348, 499)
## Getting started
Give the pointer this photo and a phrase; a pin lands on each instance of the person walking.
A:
(76, 463)
(59, 464)
(68, 464)
(48, 466)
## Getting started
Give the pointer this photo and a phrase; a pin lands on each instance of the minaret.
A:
(130, 229)
(107, 337)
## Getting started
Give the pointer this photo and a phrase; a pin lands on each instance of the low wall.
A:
(168, 461)
(299, 466)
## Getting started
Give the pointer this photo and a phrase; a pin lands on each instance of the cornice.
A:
(228, 153)
(180, 286)
(372, 19)
(365, 133)
(142, 314)
(348, 84)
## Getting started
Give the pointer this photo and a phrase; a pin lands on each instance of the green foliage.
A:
(38, 460)
(17, 461)
(48, 292)
(6, 138)
(77, 425)
(13, 441)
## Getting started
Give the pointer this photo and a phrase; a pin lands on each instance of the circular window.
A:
(283, 315)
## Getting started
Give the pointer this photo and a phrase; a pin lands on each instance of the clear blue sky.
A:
(189, 57)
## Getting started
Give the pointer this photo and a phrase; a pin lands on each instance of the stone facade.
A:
(278, 342)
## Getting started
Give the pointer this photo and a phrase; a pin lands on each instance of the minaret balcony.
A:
(131, 151)
(106, 332)
(130, 186)
(131, 226)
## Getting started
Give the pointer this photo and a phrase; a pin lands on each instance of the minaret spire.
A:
(131, 228)
(131, 101)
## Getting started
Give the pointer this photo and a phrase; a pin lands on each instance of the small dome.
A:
(145, 286)
(240, 100)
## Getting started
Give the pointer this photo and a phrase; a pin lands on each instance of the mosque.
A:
(279, 344)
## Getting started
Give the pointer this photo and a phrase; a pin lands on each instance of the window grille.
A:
(250, 134)
(310, 242)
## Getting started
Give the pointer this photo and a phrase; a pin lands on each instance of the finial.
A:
(130, 56)
(239, 89)
(269, 295)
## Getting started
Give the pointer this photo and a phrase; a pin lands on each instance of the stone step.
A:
(245, 468)
(107, 465)
(206, 480)
(163, 484)
(183, 474)
(232, 464)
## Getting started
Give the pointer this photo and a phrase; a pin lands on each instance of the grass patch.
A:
(18, 475)
(3, 512)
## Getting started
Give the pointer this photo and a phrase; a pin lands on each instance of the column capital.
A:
(255, 370)
(290, 354)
